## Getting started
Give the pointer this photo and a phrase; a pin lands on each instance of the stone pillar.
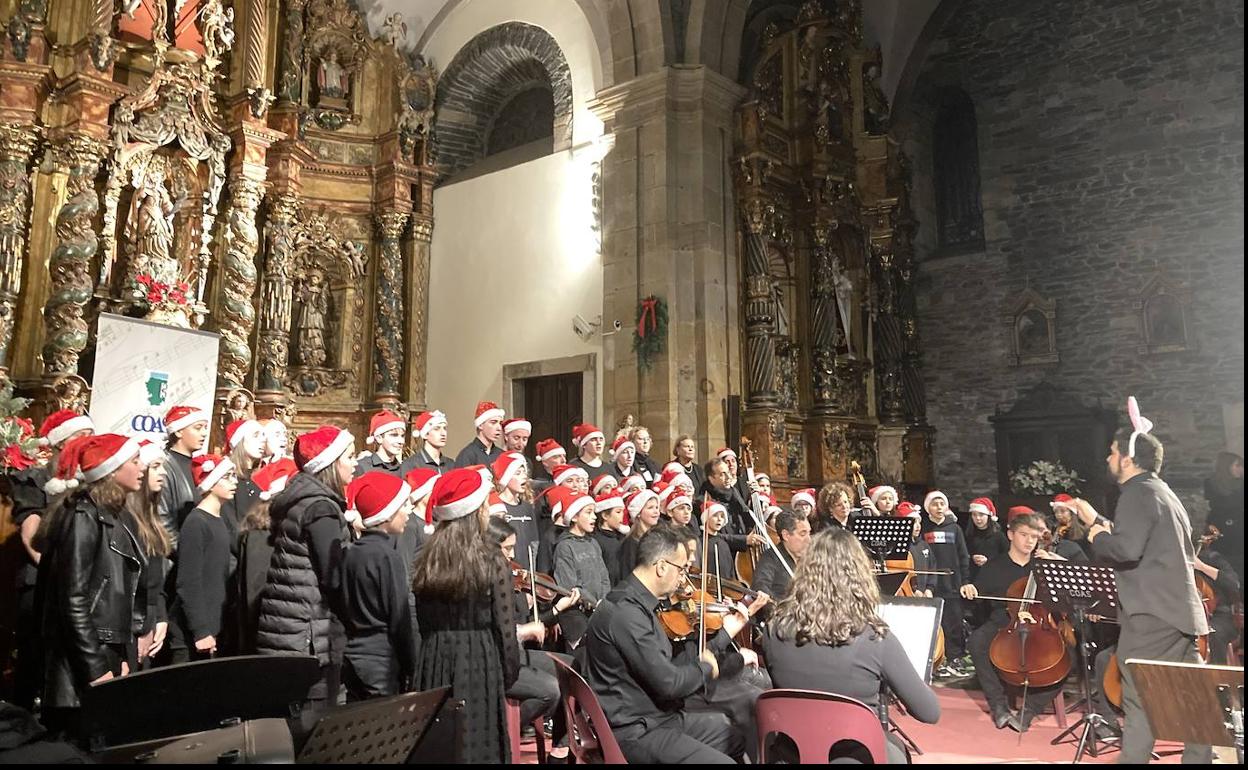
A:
(418, 311)
(65, 329)
(388, 310)
(669, 231)
(17, 145)
(276, 300)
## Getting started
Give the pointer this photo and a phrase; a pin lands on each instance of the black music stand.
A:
(193, 697)
(884, 537)
(1080, 590)
(1192, 703)
(380, 731)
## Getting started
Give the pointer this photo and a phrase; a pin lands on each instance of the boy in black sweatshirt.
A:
(381, 652)
(948, 545)
(203, 562)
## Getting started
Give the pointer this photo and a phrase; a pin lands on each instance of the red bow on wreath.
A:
(649, 312)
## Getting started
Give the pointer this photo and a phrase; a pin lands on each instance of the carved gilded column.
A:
(291, 81)
(237, 316)
(822, 322)
(275, 298)
(760, 317)
(388, 318)
(418, 309)
(889, 345)
(17, 144)
(256, 35)
(65, 332)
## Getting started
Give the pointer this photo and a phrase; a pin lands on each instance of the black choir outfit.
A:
(647, 468)
(610, 540)
(380, 655)
(695, 473)
(477, 453)
(989, 542)
(398, 468)
(948, 546)
(201, 578)
(178, 497)
(594, 471)
(740, 524)
(771, 577)
(29, 499)
(422, 459)
(523, 518)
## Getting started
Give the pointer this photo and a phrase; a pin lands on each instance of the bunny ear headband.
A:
(1139, 424)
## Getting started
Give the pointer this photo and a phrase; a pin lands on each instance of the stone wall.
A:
(1111, 156)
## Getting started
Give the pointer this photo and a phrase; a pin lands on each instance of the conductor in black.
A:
(1149, 545)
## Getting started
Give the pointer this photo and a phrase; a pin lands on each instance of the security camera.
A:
(618, 325)
(584, 329)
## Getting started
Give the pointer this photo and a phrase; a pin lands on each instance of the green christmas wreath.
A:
(650, 335)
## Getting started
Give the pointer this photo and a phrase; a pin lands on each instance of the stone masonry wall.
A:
(1111, 139)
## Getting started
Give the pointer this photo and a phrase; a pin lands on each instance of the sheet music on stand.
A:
(1073, 588)
(884, 537)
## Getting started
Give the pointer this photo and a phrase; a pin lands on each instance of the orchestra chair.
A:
(513, 731)
(1059, 707)
(817, 721)
(590, 740)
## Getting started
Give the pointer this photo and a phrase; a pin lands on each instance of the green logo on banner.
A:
(157, 387)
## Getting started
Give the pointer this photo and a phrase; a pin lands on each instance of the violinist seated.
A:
(579, 564)
(770, 575)
(719, 556)
(923, 583)
(1215, 568)
(626, 657)
(995, 579)
(826, 636)
(737, 695)
(1054, 542)
(537, 686)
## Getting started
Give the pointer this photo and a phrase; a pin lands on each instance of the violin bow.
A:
(532, 549)
(702, 603)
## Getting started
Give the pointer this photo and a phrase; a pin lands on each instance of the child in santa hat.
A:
(245, 444)
(203, 563)
(644, 511)
(157, 547)
(516, 433)
(380, 658)
(611, 530)
(590, 444)
(948, 544)
(579, 564)
(430, 428)
(187, 430)
(511, 480)
(387, 438)
(484, 447)
(255, 550)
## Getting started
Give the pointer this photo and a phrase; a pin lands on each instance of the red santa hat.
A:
(317, 450)
(497, 506)
(565, 472)
(149, 452)
(207, 470)
(673, 467)
(631, 484)
(907, 508)
(375, 497)
(506, 466)
(458, 493)
(62, 424)
(180, 417)
(637, 500)
(486, 411)
(421, 481)
(759, 476)
(983, 505)
(238, 430)
(620, 444)
(383, 422)
(876, 492)
(772, 510)
(427, 421)
(91, 458)
(548, 448)
(602, 482)
(608, 500)
(273, 477)
(1063, 500)
(803, 496)
(564, 505)
(710, 507)
(674, 474)
(725, 452)
(1016, 511)
(517, 423)
(935, 493)
(584, 432)
(675, 497)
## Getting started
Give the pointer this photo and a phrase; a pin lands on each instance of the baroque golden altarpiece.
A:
(274, 157)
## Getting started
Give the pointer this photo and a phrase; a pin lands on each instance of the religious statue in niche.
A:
(149, 227)
(1033, 334)
(310, 320)
(844, 289)
(1033, 324)
(332, 81)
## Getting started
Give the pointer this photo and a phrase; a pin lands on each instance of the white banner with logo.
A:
(142, 369)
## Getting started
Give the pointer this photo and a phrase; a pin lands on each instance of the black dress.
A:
(470, 645)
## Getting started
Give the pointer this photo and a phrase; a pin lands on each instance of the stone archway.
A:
(485, 75)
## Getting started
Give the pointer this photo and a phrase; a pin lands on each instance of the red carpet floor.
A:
(965, 735)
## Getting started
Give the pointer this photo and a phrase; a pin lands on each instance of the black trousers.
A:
(735, 697)
(1223, 632)
(951, 623)
(537, 687)
(28, 671)
(689, 737)
(1038, 698)
(1150, 638)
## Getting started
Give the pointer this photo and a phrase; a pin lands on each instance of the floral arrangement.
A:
(19, 447)
(650, 337)
(160, 296)
(1044, 478)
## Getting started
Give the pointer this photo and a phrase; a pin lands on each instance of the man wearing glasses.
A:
(627, 660)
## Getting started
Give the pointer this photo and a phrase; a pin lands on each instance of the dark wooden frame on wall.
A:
(1032, 302)
(1157, 289)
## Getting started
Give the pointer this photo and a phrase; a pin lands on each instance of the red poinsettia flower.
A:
(178, 297)
(144, 279)
(184, 287)
(15, 460)
(28, 427)
(153, 296)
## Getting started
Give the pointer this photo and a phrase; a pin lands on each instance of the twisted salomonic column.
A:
(17, 145)
(238, 317)
(388, 318)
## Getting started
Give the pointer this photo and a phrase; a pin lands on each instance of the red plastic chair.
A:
(817, 721)
(513, 732)
(590, 740)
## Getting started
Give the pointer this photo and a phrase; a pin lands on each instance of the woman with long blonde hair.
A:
(827, 635)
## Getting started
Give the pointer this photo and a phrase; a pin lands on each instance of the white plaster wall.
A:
(514, 258)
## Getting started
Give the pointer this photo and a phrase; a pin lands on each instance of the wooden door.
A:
(553, 404)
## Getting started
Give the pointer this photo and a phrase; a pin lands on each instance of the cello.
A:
(747, 559)
(1031, 654)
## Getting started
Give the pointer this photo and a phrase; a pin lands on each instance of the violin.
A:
(681, 621)
(543, 586)
(1030, 654)
(726, 587)
(858, 480)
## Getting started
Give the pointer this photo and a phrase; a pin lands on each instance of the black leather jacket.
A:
(90, 572)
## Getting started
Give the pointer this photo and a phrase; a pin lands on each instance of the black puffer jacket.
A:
(90, 571)
(295, 604)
